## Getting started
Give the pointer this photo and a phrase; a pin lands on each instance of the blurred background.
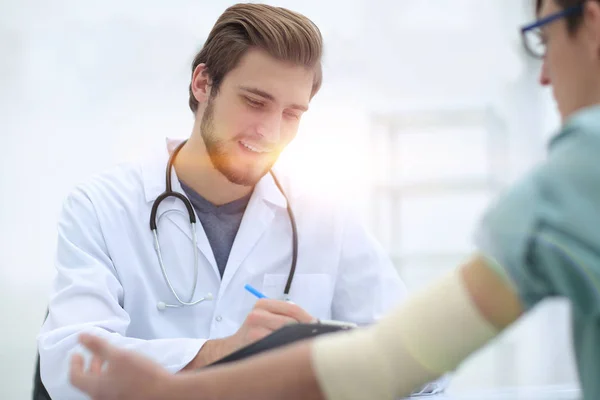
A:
(428, 109)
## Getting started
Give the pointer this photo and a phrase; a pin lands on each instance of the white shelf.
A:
(432, 174)
(436, 187)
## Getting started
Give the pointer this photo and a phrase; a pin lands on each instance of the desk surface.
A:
(516, 393)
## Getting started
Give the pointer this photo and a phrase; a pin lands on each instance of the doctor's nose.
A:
(270, 128)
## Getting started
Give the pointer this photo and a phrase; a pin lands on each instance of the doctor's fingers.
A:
(284, 308)
(266, 319)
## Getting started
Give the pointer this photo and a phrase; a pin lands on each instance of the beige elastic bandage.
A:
(429, 334)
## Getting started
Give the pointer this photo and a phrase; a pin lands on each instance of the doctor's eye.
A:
(254, 103)
(291, 115)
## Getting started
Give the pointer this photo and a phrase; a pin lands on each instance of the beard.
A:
(227, 164)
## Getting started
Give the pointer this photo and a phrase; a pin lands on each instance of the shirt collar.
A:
(580, 121)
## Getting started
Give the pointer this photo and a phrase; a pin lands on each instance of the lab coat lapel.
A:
(153, 172)
(259, 215)
(177, 214)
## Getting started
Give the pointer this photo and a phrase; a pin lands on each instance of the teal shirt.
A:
(544, 235)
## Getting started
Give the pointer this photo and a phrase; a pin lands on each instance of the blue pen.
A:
(255, 292)
(259, 294)
(318, 321)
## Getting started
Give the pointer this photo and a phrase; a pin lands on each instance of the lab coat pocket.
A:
(312, 292)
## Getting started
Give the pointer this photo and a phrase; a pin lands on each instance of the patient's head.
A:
(569, 45)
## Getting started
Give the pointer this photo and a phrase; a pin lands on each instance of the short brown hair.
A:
(285, 35)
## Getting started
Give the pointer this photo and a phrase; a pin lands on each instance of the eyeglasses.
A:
(531, 34)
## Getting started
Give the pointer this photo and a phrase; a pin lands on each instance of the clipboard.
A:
(296, 332)
(281, 337)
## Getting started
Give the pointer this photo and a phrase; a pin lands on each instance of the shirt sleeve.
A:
(504, 237)
(88, 297)
(543, 233)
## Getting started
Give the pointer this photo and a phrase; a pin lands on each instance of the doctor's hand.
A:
(267, 316)
(117, 374)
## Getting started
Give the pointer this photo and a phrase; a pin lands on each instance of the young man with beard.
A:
(176, 293)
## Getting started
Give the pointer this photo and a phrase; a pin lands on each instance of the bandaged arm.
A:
(428, 335)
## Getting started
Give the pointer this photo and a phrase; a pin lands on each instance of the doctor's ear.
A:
(201, 83)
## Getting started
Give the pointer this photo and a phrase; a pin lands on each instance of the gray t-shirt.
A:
(220, 223)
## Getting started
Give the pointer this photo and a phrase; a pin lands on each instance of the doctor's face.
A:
(254, 115)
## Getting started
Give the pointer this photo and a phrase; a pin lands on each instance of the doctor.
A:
(175, 293)
(538, 240)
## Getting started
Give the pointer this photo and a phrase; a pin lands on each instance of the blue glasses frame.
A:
(545, 21)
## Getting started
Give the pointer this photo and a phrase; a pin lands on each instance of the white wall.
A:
(86, 84)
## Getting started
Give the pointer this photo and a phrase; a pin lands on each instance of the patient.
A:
(541, 238)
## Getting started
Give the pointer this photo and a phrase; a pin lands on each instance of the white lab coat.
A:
(109, 280)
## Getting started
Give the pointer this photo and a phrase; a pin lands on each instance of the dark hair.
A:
(285, 35)
(573, 21)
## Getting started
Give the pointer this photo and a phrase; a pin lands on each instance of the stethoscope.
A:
(161, 305)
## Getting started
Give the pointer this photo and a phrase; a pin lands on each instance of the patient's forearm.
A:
(283, 374)
(428, 335)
